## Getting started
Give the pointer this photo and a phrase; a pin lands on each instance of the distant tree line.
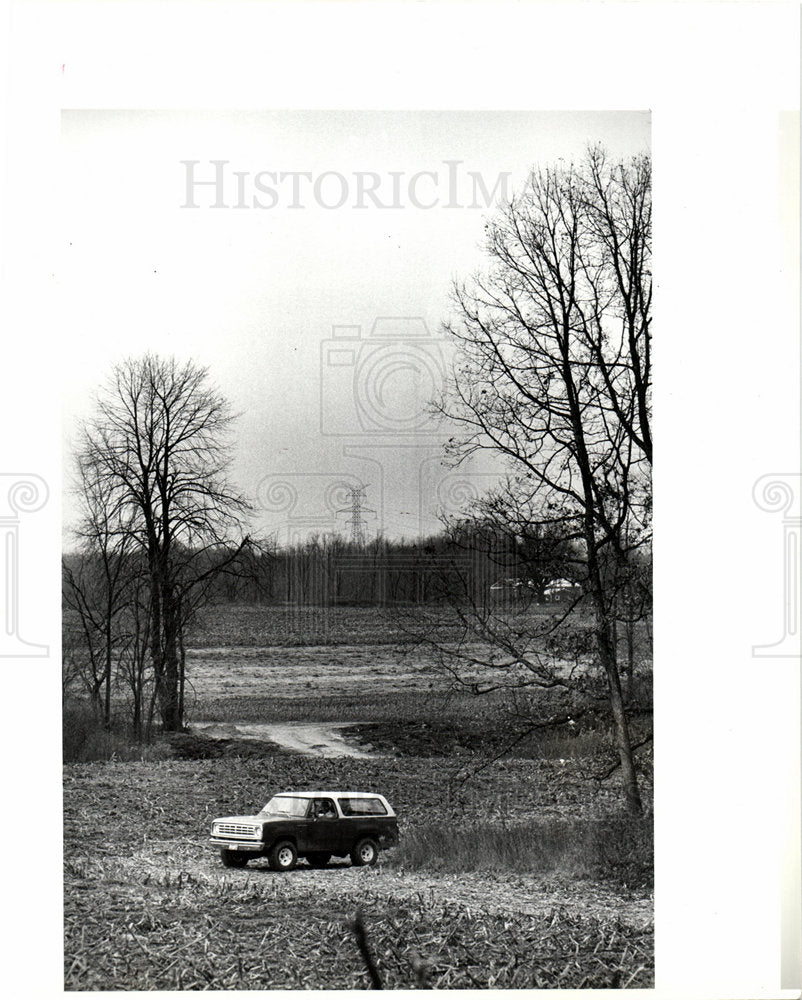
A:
(465, 560)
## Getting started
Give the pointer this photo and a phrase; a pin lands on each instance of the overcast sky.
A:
(323, 219)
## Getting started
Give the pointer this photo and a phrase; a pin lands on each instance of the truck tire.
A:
(365, 852)
(283, 856)
(233, 859)
(318, 859)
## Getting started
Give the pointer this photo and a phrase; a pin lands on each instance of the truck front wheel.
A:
(283, 856)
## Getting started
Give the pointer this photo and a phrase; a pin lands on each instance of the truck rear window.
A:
(363, 807)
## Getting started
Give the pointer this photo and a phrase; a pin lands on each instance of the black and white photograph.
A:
(357, 556)
(380, 651)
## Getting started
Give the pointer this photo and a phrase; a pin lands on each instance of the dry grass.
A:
(181, 932)
(147, 905)
(616, 847)
(229, 625)
(84, 738)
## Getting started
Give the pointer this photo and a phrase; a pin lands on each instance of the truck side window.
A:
(362, 807)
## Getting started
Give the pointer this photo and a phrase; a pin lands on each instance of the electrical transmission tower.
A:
(356, 495)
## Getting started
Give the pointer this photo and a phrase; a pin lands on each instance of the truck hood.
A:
(258, 818)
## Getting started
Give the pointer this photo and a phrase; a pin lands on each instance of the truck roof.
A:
(305, 794)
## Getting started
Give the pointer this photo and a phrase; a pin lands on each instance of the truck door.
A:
(323, 827)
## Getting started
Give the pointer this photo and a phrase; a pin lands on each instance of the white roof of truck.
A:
(351, 795)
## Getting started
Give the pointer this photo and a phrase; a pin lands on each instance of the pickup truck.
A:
(315, 826)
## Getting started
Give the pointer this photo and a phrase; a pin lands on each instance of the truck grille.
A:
(236, 830)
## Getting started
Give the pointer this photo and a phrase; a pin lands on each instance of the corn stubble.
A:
(148, 907)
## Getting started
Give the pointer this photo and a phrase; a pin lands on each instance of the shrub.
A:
(85, 738)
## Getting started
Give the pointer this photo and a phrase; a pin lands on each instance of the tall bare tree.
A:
(553, 372)
(157, 452)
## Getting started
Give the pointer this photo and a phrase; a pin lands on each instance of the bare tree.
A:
(553, 372)
(95, 589)
(157, 452)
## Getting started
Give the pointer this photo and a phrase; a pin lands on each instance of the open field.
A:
(253, 625)
(148, 905)
(515, 872)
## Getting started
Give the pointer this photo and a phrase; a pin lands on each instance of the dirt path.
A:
(312, 739)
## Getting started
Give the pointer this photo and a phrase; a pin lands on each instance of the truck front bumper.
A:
(254, 846)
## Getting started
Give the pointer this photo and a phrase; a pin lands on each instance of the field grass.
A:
(148, 906)
(179, 931)
(515, 872)
(253, 625)
(84, 738)
(602, 848)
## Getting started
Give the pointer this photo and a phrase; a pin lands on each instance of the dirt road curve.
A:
(313, 739)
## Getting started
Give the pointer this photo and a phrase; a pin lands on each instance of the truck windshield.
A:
(286, 805)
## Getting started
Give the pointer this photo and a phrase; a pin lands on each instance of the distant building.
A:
(558, 589)
(511, 585)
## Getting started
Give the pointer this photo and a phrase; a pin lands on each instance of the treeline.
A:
(330, 570)
(468, 563)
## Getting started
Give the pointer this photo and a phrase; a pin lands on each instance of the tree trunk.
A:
(605, 647)
(169, 702)
(156, 655)
(604, 616)
(629, 779)
(94, 693)
(151, 713)
(107, 678)
(182, 671)
(136, 712)
(630, 658)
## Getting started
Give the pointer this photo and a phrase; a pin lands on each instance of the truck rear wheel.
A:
(365, 852)
(233, 859)
(283, 856)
